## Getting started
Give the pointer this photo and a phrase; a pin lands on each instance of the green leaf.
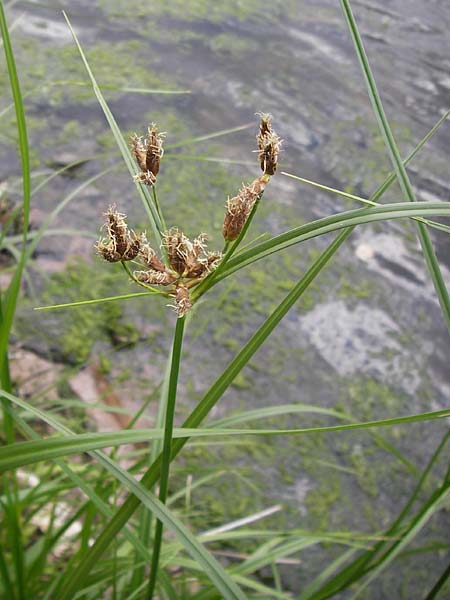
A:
(144, 193)
(394, 154)
(326, 188)
(96, 300)
(9, 304)
(20, 454)
(167, 446)
(8, 307)
(212, 568)
(335, 222)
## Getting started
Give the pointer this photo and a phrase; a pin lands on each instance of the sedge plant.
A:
(116, 555)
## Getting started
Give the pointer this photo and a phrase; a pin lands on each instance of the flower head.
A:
(148, 153)
(121, 244)
(188, 257)
(240, 207)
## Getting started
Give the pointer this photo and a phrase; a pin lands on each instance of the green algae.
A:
(196, 10)
(356, 153)
(71, 334)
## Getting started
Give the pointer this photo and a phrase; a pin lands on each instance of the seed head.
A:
(121, 244)
(178, 248)
(187, 257)
(240, 207)
(148, 153)
(269, 145)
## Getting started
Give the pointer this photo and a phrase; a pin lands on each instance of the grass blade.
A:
(210, 565)
(402, 176)
(326, 188)
(8, 308)
(439, 584)
(95, 301)
(12, 293)
(144, 193)
(13, 456)
(335, 222)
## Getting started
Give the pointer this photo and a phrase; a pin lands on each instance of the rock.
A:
(93, 387)
(5, 280)
(38, 26)
(34, 374)
(360, 340)
(84, 385)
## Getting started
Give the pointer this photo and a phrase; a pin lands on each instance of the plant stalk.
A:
(167, 447)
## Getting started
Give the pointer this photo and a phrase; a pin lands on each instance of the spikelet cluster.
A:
(240, 207)
(148, 152)
(121, 244)
(189, 258)
(186, 262)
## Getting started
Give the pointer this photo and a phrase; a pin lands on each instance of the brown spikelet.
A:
(269, 145)
(149, 256)
(148, 153)
(154, 150)
(183, 302)
(121, 243)
(265, 124)
(240, 207)
(205, 265)
(196, 261)
(188, 258)
(153, 277)
(178, 248)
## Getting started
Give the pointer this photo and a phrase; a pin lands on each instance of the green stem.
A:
(439, 584)
(158, 208)
(167, 447)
